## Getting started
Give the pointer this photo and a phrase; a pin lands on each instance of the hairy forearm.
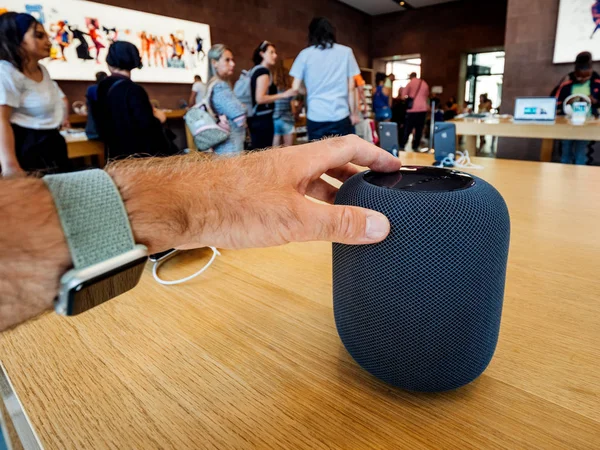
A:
(34, 250)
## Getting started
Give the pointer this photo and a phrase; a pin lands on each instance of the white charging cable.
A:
(463, 161)
(159, 263)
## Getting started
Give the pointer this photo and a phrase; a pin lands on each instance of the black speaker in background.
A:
(421, 310)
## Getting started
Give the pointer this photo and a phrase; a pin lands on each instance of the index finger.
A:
(336, 152)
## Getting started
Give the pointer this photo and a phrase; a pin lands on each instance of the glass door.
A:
(485, 75)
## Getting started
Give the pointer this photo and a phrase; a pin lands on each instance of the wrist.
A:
(156, 198)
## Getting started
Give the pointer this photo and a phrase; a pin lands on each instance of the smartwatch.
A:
(106, 260)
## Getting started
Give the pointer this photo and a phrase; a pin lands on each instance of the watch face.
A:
(97, 290)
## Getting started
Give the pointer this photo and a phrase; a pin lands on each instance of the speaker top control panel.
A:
(421, 179)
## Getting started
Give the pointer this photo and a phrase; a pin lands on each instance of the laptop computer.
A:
(535, 110)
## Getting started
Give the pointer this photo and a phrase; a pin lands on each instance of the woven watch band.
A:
(92, 215)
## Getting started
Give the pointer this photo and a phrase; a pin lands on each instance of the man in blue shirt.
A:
(327, 70)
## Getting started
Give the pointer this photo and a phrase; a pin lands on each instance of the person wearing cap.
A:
(126, 120)
(32, 106)
(582, 81)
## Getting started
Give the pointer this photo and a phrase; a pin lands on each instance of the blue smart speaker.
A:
(422, 309)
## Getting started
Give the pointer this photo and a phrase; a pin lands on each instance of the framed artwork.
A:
(578, 30)
(172, 50)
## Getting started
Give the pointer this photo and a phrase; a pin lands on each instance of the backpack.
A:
(243, 91)
(207, 129)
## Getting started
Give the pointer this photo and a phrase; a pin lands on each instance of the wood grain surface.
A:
(247, 355)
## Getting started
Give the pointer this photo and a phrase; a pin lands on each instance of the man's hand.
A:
(160, 115)
(256, 200)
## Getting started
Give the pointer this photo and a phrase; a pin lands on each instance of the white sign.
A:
(578, 30)
(172, 50)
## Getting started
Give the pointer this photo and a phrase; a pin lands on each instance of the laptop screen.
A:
(536, 109)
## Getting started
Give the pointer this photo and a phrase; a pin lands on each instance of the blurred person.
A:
(327, 70)
(361, 100)
(32, 106)
(264, 96)
(198, 92)
(382, 99)
(91, 97)
(451, 109)
(284, 115)
(582, 81)
(221, 66)
(485, 107)
(389, 84)
(126, 120)
(485, 104)
(417, 93)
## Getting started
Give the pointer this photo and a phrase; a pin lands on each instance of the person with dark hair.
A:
(451, 109)
(126, 120)
(583, 81)
(382, 99)
(264, 96)
(32, 106)
(328, 70)
(91, 96)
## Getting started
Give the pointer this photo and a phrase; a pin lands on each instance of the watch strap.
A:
(92, 215)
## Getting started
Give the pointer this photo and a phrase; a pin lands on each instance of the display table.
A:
(247, 355)
(505, 127)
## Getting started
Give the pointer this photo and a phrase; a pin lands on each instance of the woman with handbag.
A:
(223, 101)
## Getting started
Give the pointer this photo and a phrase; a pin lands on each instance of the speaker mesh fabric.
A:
(422, 309)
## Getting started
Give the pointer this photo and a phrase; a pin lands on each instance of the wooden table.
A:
(562, 129)
(81, 148)
(247, 356)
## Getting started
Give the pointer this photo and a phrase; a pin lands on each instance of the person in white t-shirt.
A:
(327, 70)
(198, 92)
(32, 106)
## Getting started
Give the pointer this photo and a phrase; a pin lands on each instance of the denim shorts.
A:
(283, 127)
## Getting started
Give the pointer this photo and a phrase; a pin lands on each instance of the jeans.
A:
(574, 152)
(414, 121)
(319, 130)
